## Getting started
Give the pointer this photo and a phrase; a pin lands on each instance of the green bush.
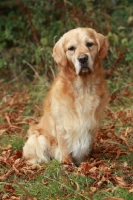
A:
(29, 29)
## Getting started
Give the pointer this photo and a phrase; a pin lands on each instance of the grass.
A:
(15, 141)
(54, 181)
(116, 192)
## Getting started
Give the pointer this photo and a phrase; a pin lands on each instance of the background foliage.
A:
(29, 29)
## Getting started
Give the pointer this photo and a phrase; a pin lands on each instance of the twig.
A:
(36, 73)
(52, 71)
(16, 78)
(23, 188)
(123, 87)
(78, 188)
(114, 114)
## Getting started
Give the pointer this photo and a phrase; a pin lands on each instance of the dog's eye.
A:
(89, 44)
(72, 48)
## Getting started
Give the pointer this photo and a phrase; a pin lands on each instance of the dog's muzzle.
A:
(84, 63)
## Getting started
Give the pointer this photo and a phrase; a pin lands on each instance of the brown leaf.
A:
(15, 197)
(103, 179)
(84, 168)
(93, 170)
(120, 180)
(68, 166)
(9, 188)
(6, 175)
(118, 153)
(8, 119)
(2, 131)
(125, 140)
(8, 147)
(95, 155)
(44, 182)
(131, 190)
(93, 189)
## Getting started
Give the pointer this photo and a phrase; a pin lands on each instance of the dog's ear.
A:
(102, 45)
(59, 53)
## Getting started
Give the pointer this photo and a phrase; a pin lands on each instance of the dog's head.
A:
(80, 48)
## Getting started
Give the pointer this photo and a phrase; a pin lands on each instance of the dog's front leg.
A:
(65, 156)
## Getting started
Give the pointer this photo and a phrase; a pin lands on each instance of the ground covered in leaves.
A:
(108, 175)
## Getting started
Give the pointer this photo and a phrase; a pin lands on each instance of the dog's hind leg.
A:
(36, 148)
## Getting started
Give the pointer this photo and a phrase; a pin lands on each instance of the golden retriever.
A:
(73, 108)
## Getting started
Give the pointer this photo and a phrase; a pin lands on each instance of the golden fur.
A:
(74, 106)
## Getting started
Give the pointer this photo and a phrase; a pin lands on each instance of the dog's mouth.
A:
(85, 70)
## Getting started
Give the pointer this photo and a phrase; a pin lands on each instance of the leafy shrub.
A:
(29, 29)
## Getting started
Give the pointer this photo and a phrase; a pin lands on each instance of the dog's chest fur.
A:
(76, 119)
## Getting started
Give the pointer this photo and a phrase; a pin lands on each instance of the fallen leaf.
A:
(125, 140)
(2, 131)
(93, 189)
(120, 180)
(103, 179)
(93, 170)
(131, 190)
(9, 188)
(8, 147)
(44, 182)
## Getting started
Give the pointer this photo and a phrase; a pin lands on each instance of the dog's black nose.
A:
(83, 58)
